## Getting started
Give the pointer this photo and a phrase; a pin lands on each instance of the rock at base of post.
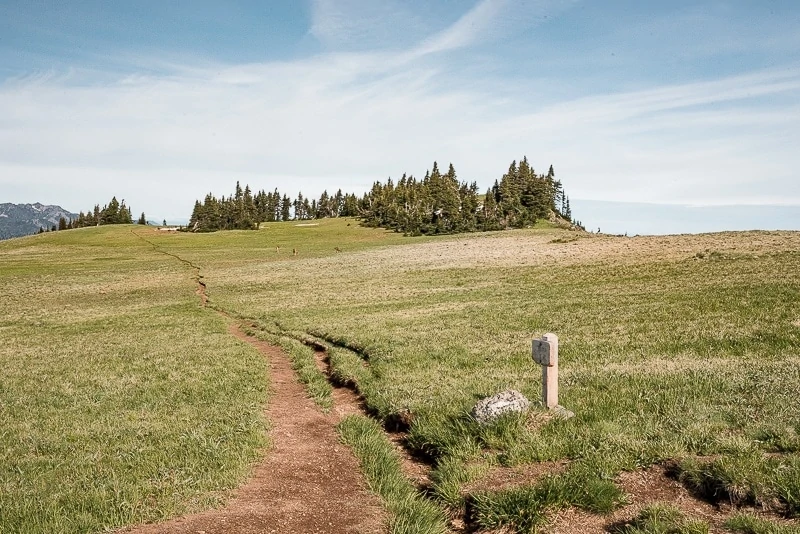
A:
(490, 408)
(560, 412)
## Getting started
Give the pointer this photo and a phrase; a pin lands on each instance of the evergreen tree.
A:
(489, 220)
(110, 213)
(510, 203)
(350, 206)
(298, 206)
(142, 219)
(567, 212)
(286, 206)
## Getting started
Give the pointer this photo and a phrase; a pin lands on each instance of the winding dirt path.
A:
(308, 481)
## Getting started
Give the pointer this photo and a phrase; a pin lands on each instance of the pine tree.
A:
(510, 203)
(286, 207)
(110, 213)
(142, 219)
(298, 205)
(449, 201)
(350, 206)
(489, 211)
(124, 216)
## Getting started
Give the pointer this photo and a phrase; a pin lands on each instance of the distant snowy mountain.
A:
(24, 219)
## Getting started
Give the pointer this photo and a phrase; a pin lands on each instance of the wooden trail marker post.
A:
(545, 353)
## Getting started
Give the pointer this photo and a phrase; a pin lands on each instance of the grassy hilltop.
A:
(124, 400)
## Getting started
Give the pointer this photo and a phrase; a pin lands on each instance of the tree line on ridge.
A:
(436, 204)
(115, 212)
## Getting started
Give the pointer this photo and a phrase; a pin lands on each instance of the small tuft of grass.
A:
(525, 508)
(661, 519)
(449, 476)
(778, 438)
(522, 509)
(568, 239)
(750, 524)
(747, 478)
(411, 513)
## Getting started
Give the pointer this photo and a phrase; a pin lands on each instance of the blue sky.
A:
(691, 108)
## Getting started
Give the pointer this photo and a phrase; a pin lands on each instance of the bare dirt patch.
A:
(644, 488)
(308, 482)
(501, 478)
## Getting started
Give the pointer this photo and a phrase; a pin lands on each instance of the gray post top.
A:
(545, 350)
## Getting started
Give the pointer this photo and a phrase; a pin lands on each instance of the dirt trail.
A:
(308, 481)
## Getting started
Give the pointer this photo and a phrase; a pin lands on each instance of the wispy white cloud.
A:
(348, 24)
(473, 26)
(364, 24)
(490, 20)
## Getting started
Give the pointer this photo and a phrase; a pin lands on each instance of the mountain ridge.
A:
(17, 220)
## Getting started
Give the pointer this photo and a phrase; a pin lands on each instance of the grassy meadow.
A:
(121, 399)
(672, 348)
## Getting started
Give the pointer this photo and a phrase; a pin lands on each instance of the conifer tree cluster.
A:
(244, 211)
(437, 204)
(115, 212)
(440, 204)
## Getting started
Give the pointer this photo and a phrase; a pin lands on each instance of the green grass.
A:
(121, 400)
(410, 512)
(749, 524)
(658, 337)
(525, 508)
(747, 478)
(660, 519)
(657, 344)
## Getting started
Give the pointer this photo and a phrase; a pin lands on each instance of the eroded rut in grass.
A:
(346, 401)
